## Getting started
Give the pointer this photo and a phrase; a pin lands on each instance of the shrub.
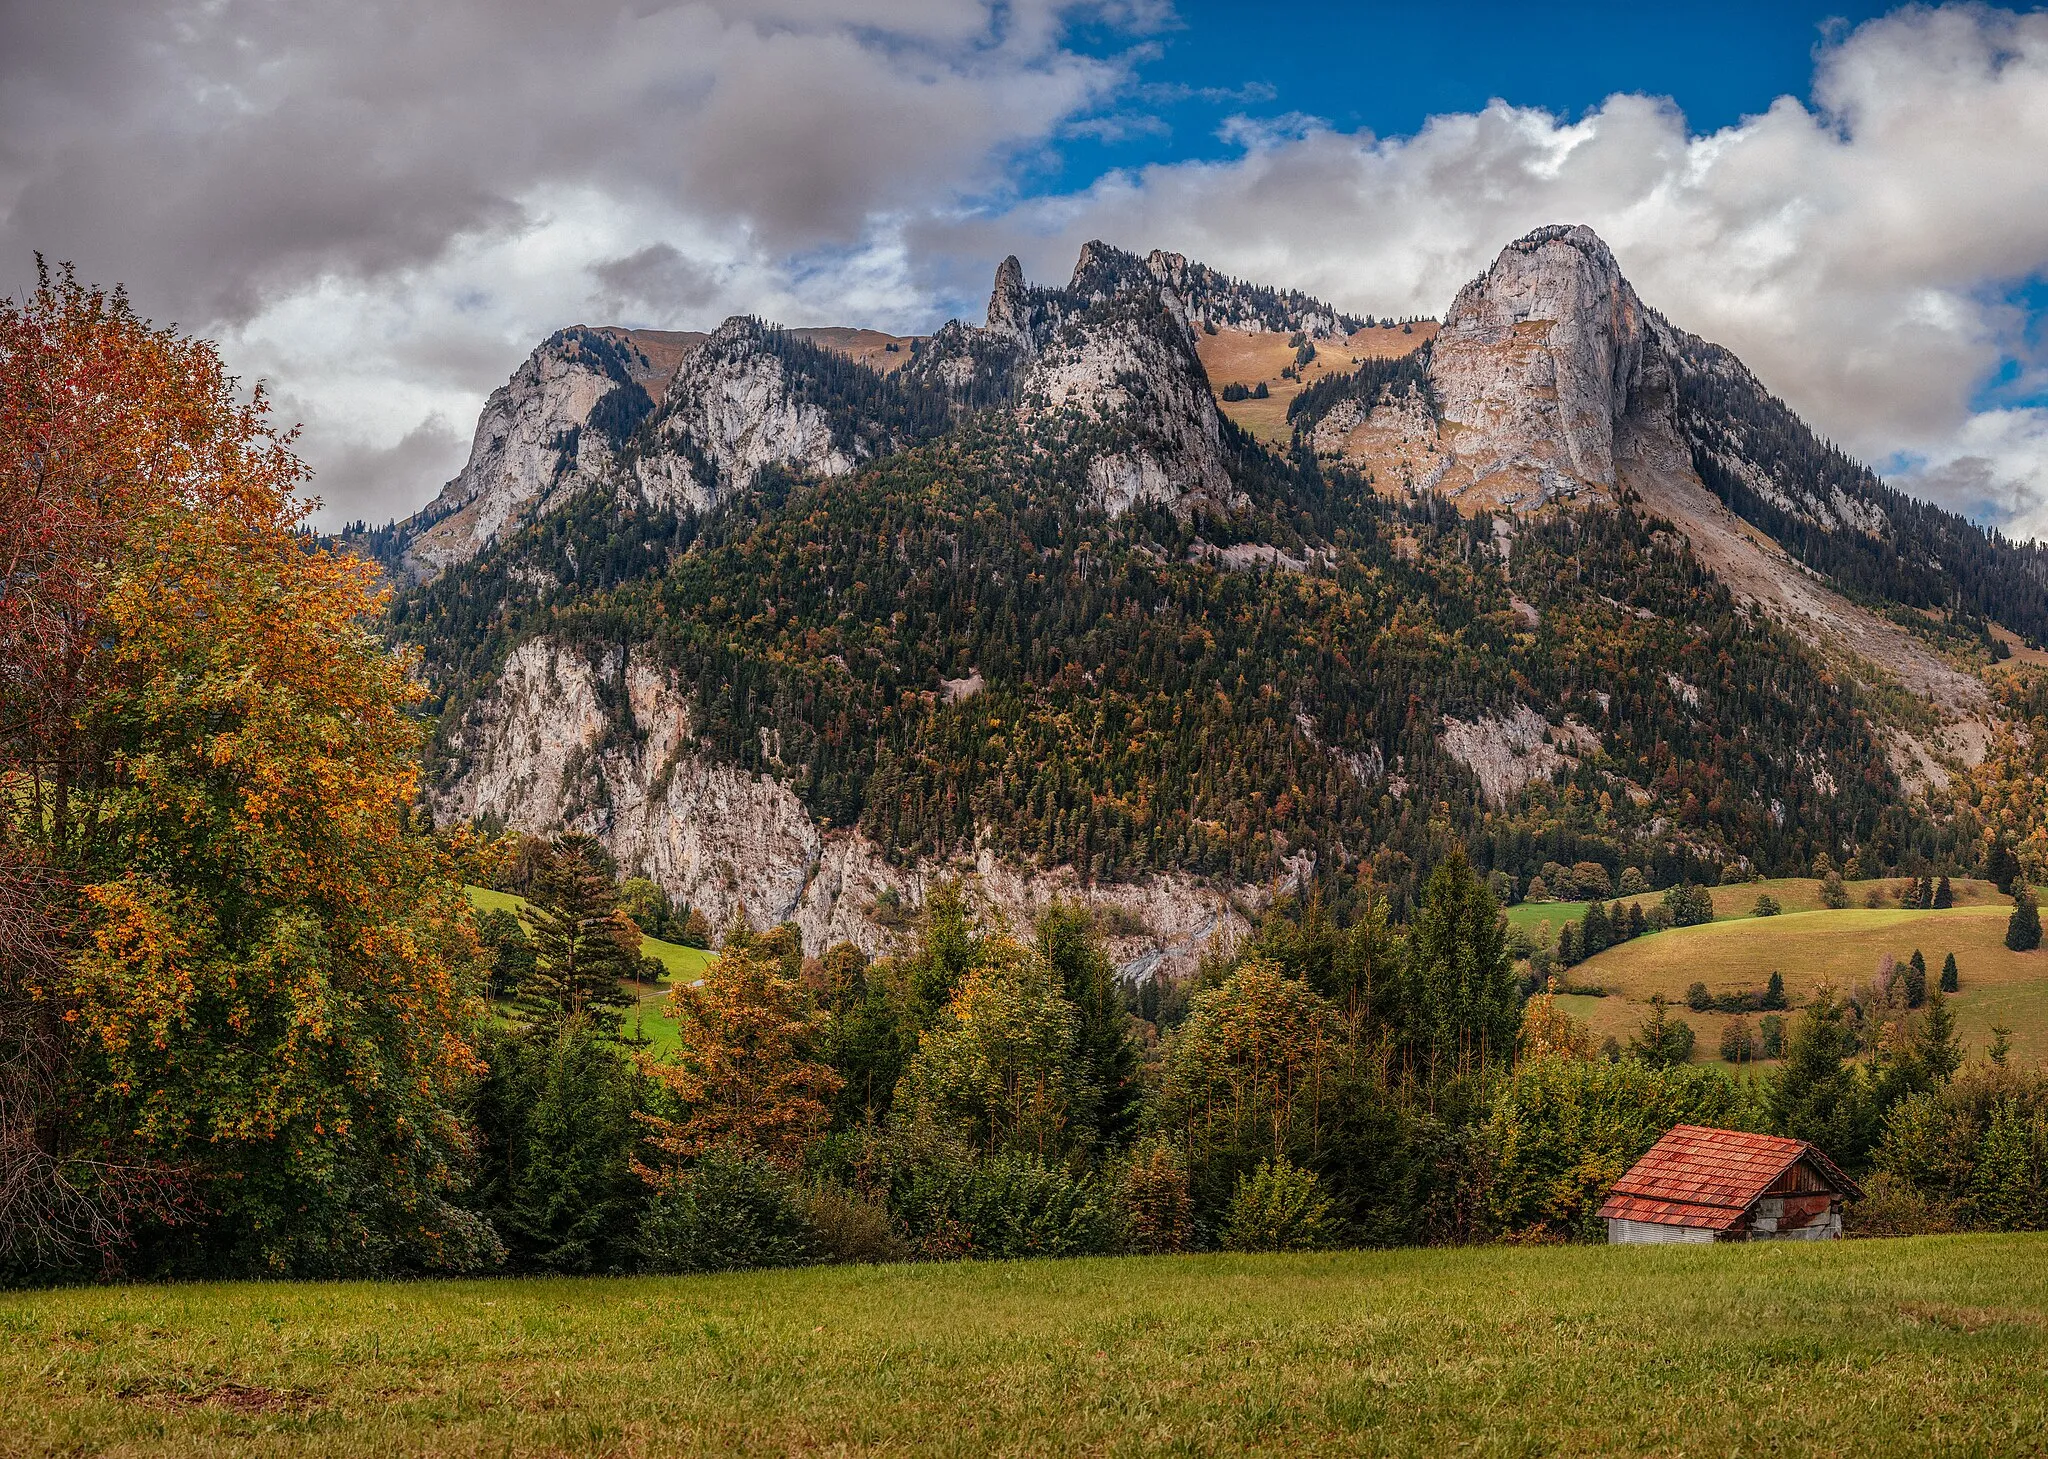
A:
(1279, 1207)
(730, 1211)
(955, 1203)
(847, 1226)
(1159, 1213)
(1766, 906)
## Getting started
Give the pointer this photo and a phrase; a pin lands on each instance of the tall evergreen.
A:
(1818, 1096)
(1940, 1051)
(583, 946)
(2023, 928)
(1944, 894)
(1916, 979)
(1068, 943)
(1950, 980)
(1464, 1004)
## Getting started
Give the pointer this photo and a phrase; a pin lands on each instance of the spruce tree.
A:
(1466, 1004)
(1068, 943)
(583, 946)
(1940, 1051)
(1595, 931)
(1774, 994)
(1817, 1096)
(1916, 979)
(1944, 894)
(1949, 979)
(2023, 929)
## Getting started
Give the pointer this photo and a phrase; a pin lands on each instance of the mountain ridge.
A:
(961, 616)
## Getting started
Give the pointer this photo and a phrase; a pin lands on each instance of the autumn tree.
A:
(261, 972)
(746, 1074)
(1005, 1067)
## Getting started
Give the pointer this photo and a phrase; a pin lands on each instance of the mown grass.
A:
(648, 1018)
(1921, 1346)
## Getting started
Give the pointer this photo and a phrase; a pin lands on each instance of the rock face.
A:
(733, 408)
(562, 742)
(557, 422)
(1541, 360)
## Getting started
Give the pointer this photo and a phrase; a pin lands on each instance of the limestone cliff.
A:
(562, 742)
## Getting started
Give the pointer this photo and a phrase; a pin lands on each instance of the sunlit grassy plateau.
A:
(1928, 1345)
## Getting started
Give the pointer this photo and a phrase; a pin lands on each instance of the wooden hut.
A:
(1701, 1184)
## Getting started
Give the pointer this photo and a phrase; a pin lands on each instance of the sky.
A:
(379, 207)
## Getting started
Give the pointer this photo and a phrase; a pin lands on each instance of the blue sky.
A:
(1388, 67)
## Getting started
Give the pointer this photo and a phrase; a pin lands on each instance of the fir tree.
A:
(1949, 978)
(2023, 929)
(583, 946)
(1940, 1052)
(1916, 979)
(1944, 894)
(1817, 1096)
(1068, 943)
(1774, 994)
(1464, 1001)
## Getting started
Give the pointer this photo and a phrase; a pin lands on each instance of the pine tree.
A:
(1916, 979)
(1466, 1005)
(1944, 894)
(1817, 1097)
(1949, 978)
(583, 946)
(2023, 929)
(1595, 931)
(1774, 994)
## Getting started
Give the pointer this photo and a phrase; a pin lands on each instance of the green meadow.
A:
(1933, 1345)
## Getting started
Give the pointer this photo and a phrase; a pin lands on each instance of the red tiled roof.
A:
(1696, 1176)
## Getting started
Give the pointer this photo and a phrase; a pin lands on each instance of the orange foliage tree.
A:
(261, 981)
(745, 1074)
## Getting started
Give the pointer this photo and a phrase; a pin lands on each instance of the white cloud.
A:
(1856, 253)
(382, 207)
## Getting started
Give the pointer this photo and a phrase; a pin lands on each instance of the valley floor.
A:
(1894, 1347)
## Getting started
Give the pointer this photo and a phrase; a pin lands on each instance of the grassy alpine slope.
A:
(1840, 949)
(1937, 1344)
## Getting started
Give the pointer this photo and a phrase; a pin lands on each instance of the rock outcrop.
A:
(733, 408)
(556, 423)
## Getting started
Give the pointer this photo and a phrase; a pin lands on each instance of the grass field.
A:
(649, 1018)
(1936, 1345)
(1811, 948)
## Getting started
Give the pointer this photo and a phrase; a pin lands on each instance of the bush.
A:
(728, 1212)
(1235, 391)
(953, 1202)
(1279, 1207)
(1766, 906)
(1159, 1213)
(846, 1226)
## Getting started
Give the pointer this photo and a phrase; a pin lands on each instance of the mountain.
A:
(1178, 593)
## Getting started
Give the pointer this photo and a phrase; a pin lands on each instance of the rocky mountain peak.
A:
(1538, 363)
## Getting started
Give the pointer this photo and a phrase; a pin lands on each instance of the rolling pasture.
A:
(1812, 946)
